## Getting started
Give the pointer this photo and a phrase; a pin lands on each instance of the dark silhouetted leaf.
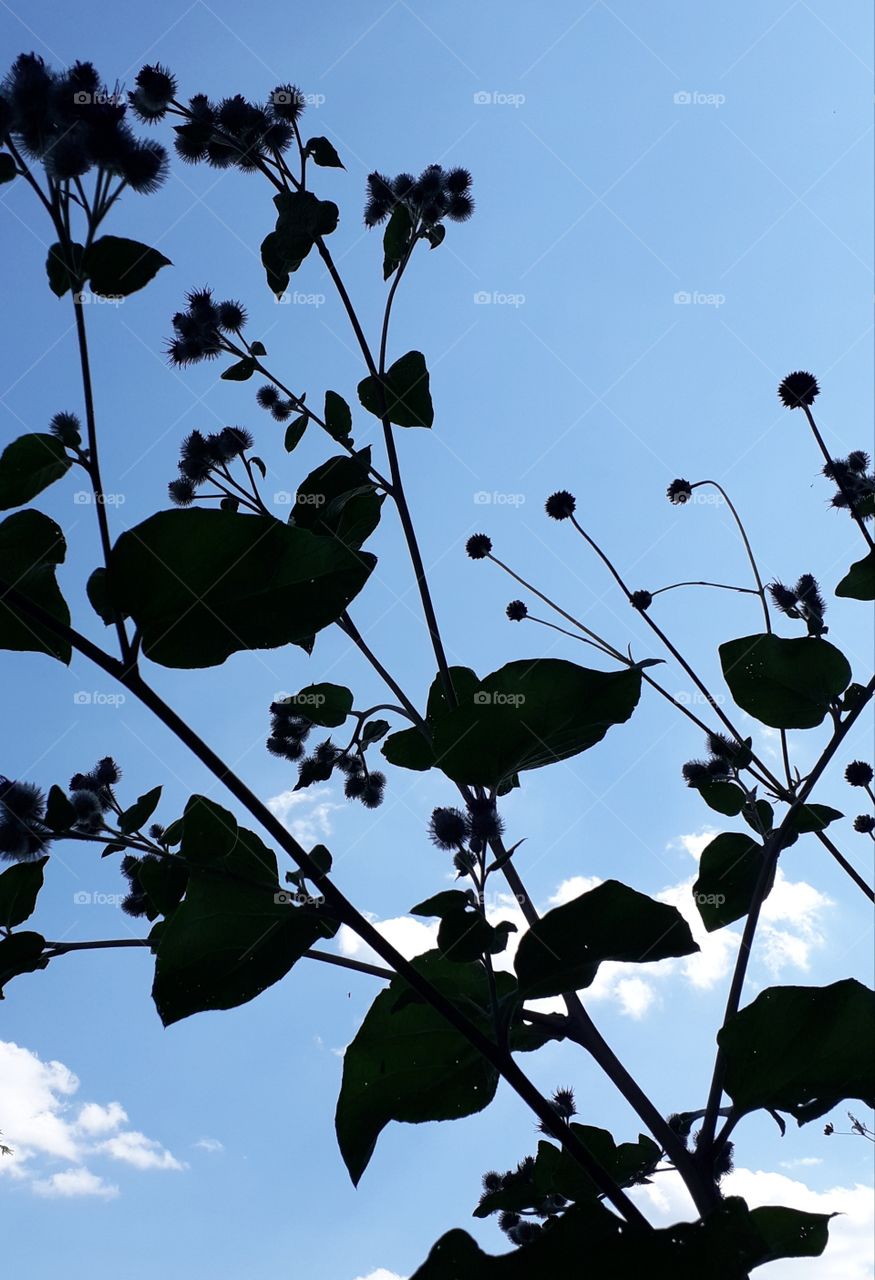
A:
(29, 465)
(787, 684)
(405, 398)
(31, 546)
(20, 953)
(324, 704)
(563, 951)
(322, 153)
(240, 371)
(728, 872)
(859, 582)
(19, 888)
(134, 818)
(119, 267)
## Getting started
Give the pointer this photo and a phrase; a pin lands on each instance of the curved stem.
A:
(724, 586)
(348, 627)
(761, 591)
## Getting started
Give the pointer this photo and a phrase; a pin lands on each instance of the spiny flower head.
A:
(154, 92)
(448, 828)
(22, 833)
(517, 610)
(560, 505)
(858, 773)
(641, 600)
(679, 492)
(436, 194)
(478, 546)
(798, 389)
(864, 823)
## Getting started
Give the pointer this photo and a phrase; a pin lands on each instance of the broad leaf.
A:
(787, 684)
(294, 432)
(97, 590)
(563, 951)
(301, 219)
(723, 797)
(63, 271)
(204, 584)
(19, 887)
(119, 267)
(235, 933)
(338, 417)
(407, 1063)
(240, 371)
(404, 397)
(523, 716)
(859, 582)
(812, 817)
(31, 546)
(802, 1050)
(728, 872)
(29, 465)
(8, 167)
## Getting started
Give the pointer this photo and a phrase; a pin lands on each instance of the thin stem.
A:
(724, 586)
(65, 948)
(770, 859)
(531, 617)
(848, 497)
(348, 627)
(761, 591)
(93, 460)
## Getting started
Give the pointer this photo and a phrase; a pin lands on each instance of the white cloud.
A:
(573, 888)
(136, 1149)
(381, 1274)
(848, 1255)
(212, 1145)
(93, 1118)
(43, 1127)
(75, 1182)
(306, 814)
(410, 937)
(802, 1162)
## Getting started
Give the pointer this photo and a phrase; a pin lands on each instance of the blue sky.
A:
(627, 157)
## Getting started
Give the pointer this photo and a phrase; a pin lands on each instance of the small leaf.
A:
(338, 418)
(859, 582)
(339, 501)
(134, 818)
(444, 903)
(802, 1050)
(119, 267)
(812, 817)
(294, 432)
(97, 590)
(257, 349)
(404, 398)
(729, 869)
(325, 704)
(322, 153)
(760, 818)
(396, 239)
(19, 888)
(723, 797)
(373, 731)
(63, 275)
(31, 546)
(60, 814)
(20, 953)
(240, 371)
(8, 168)
(29, 465)
(787, 684)
(563, 951)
